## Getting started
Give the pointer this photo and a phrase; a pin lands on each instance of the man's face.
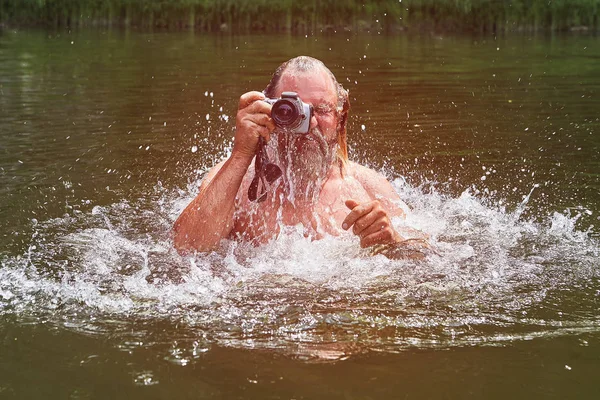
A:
(317, 89)
(306, 159)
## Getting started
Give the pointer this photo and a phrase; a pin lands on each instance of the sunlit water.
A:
(88, 250)
(495, 277)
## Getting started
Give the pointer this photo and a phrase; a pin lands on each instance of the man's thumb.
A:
(350, 203)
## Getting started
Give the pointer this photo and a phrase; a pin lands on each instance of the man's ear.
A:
(343, 95)
(341, 125)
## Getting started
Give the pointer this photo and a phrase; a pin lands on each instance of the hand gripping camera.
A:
(290, 113)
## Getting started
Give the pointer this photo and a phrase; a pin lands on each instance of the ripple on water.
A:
(495, 278)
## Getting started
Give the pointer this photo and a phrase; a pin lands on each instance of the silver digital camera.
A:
(290, 113)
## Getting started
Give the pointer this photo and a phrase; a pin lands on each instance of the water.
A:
(105, 137)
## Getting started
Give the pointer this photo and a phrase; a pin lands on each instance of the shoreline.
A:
(261, 16)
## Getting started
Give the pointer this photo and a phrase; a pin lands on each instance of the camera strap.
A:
(265, 173)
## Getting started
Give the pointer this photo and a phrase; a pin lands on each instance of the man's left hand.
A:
(370, 222)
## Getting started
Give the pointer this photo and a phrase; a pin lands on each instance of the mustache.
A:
(316, 135)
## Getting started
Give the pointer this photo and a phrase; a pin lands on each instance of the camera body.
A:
(290, 113)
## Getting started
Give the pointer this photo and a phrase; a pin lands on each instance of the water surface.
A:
(105, 136)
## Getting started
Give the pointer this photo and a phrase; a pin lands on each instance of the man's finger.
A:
(262, 119)
(248, 98)
(355, 214)
(379, 237)
(366, 221)
(351, 203)
(259, 107)
(264, 132)
(269, 123)
(369, 224)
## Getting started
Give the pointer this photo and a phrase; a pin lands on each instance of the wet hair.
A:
(310, 64)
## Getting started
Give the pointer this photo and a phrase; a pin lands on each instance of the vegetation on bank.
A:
(487, 16)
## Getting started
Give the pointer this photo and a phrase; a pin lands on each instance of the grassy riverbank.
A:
(487, 16)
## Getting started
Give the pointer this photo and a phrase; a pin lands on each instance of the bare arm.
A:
(371, 221)
(209, 217)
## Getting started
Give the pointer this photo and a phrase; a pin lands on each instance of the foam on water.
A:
(495, 277)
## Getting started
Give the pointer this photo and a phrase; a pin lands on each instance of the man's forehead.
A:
(316, 83)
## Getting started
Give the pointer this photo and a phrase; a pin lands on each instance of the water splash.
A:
(496, 278)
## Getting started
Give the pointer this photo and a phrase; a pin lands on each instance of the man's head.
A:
(316, 85)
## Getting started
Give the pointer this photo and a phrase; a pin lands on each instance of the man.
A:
(320, 191)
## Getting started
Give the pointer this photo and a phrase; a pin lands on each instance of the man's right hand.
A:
(252, 121)
(209, 217)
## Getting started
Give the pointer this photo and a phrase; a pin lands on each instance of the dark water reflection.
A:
(493, 142)
(437, 109)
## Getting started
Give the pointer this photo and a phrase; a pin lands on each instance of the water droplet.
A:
(194, 149)
(145, 379)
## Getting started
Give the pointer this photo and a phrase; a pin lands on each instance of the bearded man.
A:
(320, 190)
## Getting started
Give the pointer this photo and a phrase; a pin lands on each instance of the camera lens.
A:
(284, 113)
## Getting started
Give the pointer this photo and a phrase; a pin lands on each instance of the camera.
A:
(290, 113)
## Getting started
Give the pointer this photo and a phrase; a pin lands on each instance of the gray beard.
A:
(305, 161)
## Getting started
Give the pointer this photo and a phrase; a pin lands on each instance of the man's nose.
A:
(313, 121)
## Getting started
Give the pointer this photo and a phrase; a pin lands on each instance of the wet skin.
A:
(351, 198)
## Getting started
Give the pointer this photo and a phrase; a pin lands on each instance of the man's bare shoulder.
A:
(378, 187)
(211, 174)
(215, 170)
(371, 180)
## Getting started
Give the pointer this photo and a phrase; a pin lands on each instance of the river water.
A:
(493, 143)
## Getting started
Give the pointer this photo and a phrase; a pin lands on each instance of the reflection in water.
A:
(101, 131)
(497, 278)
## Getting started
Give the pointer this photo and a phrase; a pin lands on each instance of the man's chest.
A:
(263, 221)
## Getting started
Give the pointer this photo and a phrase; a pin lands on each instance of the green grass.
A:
(486, 16)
